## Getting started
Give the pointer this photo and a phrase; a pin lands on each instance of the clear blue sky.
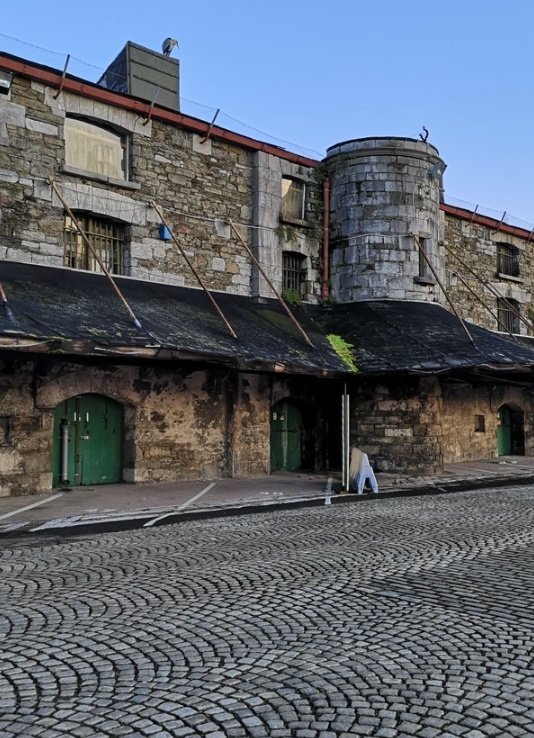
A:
(310, 73)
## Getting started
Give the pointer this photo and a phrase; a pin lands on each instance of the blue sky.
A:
(309, 73)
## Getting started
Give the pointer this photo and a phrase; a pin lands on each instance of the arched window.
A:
(94, 149)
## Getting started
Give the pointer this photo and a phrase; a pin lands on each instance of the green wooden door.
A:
(504, 432)
(286, 436)
(94, 440)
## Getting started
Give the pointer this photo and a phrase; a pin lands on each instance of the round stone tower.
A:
(385, 217)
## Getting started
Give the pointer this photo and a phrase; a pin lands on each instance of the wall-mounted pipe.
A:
(325, 279)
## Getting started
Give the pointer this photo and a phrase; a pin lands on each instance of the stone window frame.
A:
(125, 139)
(297, 217)
(507, 320)
(108, 236)
(507, 261)
(294, 273)
(424, 274)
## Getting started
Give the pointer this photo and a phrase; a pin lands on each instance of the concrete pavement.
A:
(127, 506)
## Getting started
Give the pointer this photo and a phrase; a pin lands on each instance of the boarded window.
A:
(107, 240)
(91, 148)
(293, 199)
(508, 315)
(507, 260)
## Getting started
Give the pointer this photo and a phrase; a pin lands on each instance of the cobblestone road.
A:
(387, 618)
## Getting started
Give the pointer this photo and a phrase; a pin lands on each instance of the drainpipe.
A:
(325, 281)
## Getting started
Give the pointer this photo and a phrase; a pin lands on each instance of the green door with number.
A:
(91, 427)
(286, 436)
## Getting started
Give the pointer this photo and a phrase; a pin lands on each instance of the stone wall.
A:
(184, 424)
(467, 282)
(272, 236)
(200, 185)
(398, 424)
(461, 441)
(385, 193)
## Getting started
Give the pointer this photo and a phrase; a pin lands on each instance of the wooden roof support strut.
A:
(95, 255)
(278, 295)
(189, 263)
(435, 274)
(491, 288)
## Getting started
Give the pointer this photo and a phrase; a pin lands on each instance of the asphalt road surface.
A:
(391, 617)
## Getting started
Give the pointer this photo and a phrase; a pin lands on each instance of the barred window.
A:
(293, 199)
(508, 315)
(107, 239)
(293, 272)
(91, 148)
(507, 260)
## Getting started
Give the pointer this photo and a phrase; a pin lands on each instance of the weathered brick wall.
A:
(200, 424)
(398, 424)
(200, 185)
(476, 247)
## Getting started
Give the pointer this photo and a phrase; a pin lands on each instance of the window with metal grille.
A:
(91, 148)
(107, 240)
(293, 272)
(507, 260)
(293, 199)
(508, 315)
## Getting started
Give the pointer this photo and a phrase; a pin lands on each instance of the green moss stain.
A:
(343, 350)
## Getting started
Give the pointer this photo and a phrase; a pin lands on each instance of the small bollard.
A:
(328, 491)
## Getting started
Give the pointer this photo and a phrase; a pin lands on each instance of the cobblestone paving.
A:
(387, 618)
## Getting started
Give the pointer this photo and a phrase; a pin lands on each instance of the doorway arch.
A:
(510, 431)
(87, 441)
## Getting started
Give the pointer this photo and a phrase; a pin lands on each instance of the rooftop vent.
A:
(145, 74)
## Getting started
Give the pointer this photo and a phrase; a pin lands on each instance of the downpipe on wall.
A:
(325, 280)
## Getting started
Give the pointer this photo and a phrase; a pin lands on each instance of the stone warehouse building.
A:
(142, 255)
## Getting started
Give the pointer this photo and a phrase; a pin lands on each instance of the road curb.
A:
(118, 525)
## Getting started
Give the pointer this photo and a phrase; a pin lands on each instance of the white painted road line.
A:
(30, 507)
(185, 504)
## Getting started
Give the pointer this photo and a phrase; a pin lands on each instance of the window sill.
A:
(100, 178)
(424, 280)
(509, 278)
(295, 222)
